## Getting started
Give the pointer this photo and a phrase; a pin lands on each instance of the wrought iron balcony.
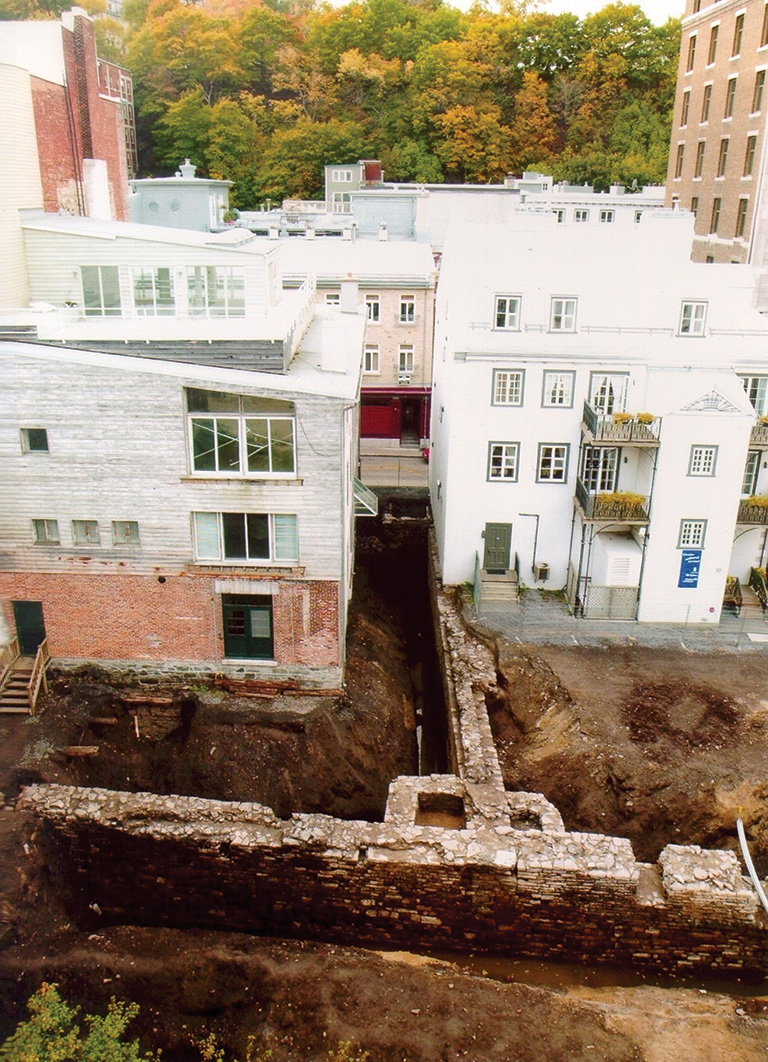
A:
(750, 513)
(617, 508)
(616, 429)
(759, 436)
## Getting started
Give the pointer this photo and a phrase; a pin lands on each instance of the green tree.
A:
(55, 1033)
(293, 163)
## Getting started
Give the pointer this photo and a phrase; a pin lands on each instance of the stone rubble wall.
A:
(457, 863)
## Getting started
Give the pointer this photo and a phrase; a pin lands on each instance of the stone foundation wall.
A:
(457, 863)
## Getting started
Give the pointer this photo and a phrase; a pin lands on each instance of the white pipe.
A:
(749, 864)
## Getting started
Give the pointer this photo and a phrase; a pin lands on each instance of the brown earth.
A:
(653, 746)
(660, 746)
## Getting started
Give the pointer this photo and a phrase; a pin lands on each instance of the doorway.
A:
(497, 544)
(409, 421)
(248, 631)
(30, 625)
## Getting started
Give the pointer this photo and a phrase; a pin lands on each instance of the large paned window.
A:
(241, 435)
(756, 389)
(691, 53)
(552, 466)
(371, 361)
(101, 291)
(125, 533)
(246, 537)
(405, 358)
(216, 291)
(599, 465)
(714, 33)
(507, 312)
(372, 308)
(503, 461)
(508, 387)
(608, 392)
(558, 389)
(706, 101)
(738, 35)
(407, 309)
(153, 292)
(86, 532)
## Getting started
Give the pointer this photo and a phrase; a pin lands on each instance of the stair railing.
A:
(37, 679)
(8, 654)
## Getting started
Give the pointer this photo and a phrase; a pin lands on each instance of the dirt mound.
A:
(657, 746)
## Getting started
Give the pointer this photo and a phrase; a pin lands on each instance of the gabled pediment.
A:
(712, 402)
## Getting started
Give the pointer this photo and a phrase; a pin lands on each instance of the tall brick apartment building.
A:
(717, 163)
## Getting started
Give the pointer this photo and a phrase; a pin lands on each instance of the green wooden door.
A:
(498, 540)
(30, 626)
(248, 626)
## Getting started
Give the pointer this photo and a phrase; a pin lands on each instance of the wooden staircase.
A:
(22, 678)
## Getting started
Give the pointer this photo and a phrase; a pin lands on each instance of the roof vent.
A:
(188, 169)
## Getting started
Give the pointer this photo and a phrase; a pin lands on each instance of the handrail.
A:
(757, 583)
(9, 652)
(37, 679)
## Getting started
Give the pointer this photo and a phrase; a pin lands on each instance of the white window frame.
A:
(372, 309)
(508, 387)
(506, 315)
(702, 461)
(407, 314)
(371, 360)
(756, 389)
(751, 472)
(86, 533)
(607, 216)
(46, 532)
(692, 534)
(556, 456)
(209, 540)
(557, 390)
(333, 298)
(608, 392)
(125, 533)
(225, 297)
(242, 417)
(159, 293)
(102, 307)
(580, 215)
(503, 462)
(563, 310)
(405, 359)
(693, 318)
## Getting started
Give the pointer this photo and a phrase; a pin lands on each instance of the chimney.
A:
(349, 300)
(187, 170)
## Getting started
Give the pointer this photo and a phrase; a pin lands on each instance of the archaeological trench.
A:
(457, 863)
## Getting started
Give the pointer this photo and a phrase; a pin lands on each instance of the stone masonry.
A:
(457, 863)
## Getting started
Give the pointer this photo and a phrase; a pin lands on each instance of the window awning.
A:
(366, 502)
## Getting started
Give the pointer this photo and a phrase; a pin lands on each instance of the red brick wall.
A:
(89, 128)
(125, 617)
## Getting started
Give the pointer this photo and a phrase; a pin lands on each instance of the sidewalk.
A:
(544, 619)
(398, 467)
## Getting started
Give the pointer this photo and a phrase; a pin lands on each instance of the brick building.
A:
(82, 117)
(717, 164)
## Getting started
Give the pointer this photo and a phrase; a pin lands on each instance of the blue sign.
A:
(690, 565)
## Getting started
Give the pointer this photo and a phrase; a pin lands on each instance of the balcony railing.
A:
(750, 513)
(759, 435)
(617, 507)
(604, 428)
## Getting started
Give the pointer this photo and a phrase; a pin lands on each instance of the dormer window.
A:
(693, 316)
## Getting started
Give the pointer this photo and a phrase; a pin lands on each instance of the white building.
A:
(589, 424)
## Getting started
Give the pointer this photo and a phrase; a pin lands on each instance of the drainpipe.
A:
(534, 516)
(647, 534)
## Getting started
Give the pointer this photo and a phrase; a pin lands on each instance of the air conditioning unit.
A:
(541, 571)
(404, 378)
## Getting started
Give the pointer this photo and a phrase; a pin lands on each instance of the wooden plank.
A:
(81, 750)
